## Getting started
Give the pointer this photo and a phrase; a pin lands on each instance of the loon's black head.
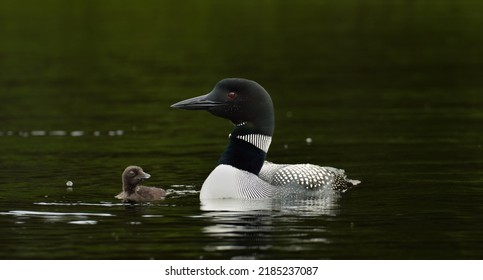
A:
(244, 102)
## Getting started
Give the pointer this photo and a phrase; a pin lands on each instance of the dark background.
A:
(390, 91)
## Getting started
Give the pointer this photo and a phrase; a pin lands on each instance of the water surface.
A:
(390, 92)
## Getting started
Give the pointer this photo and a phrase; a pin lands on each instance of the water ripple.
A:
(104, 204)
(40, 213)
(85, 222)
(74, 133)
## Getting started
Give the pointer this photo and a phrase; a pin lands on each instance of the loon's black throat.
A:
(243, 155)
(248, 145)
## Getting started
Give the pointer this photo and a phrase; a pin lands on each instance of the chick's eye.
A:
(132, 173)
(232, 95)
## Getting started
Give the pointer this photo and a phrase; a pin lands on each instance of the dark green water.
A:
(390, 91)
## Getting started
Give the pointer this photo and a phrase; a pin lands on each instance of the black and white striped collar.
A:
(258, 140)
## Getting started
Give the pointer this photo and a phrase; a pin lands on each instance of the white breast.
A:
(226, 181)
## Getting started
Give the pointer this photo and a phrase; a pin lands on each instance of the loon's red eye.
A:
(232, 95)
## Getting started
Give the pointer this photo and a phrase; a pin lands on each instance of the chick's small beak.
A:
(146, 175)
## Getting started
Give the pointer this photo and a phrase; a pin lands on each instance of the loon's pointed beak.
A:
(197, 103)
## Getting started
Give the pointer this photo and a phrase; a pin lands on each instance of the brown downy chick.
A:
(133, 192)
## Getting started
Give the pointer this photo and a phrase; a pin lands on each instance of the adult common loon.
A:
(242, 170)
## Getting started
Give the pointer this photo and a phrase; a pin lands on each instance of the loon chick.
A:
(133, 192)
(242, 171)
